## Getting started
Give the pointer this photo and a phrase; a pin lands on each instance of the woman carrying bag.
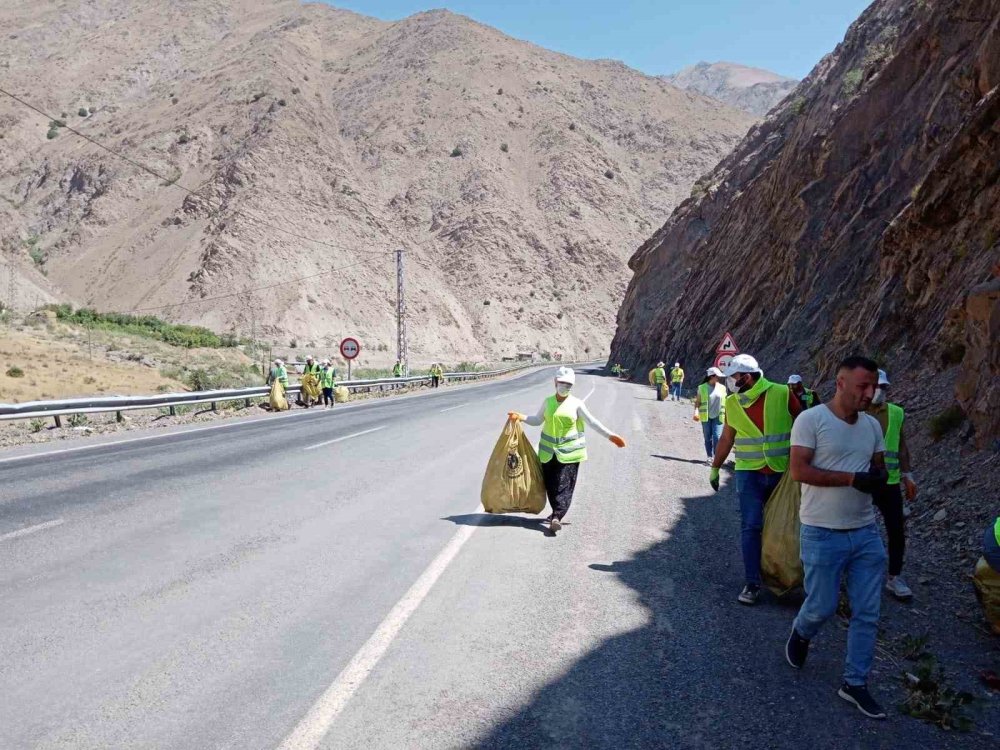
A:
(563, 447)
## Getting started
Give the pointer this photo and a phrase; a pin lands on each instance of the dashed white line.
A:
(31, 529)
(452, 408)
(345, 437)
(589, 394)
(324, 712)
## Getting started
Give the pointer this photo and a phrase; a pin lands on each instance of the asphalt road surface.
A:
(328, 580)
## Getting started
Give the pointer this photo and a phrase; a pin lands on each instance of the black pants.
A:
(560, 481)
(659, 391)
(328, 396)
(435, 381)
(890, 502)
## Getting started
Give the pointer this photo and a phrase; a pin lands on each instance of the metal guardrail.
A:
(56, 409)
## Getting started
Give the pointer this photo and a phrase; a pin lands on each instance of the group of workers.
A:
(323, 372)
(658, 379)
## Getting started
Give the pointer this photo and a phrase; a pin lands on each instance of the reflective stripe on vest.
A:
(704, 394)
(562, 432)
(659, 375)
(755, 449)
(676, 375)
(893, 432)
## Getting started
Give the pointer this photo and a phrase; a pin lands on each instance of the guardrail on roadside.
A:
(56, 409)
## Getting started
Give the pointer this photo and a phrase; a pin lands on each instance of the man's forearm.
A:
(722, 450)
(807, 474)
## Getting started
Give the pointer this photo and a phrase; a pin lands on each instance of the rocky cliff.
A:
(518, 179)
(862, 215)
(753, 90)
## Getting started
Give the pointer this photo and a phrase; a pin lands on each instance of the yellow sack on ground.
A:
(310, 386)
(664, 391)
(780, 560)
(987, 583)
(513, 481)
(278, 400)
(341, 395)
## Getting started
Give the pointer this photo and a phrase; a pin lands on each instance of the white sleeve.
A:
(590, 419)
(536, 420)
(804, 429)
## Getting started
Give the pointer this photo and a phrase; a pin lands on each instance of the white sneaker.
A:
(896, 586)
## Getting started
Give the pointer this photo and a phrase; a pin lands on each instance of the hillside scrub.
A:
(145, 325)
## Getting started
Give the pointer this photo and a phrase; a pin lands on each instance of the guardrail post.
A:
(214, 407)
(246, 403)
(173, 411)
(58, 420)
(119, 417)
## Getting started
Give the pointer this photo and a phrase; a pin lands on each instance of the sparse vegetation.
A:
(504, 147)
(499, 92)
(282, 102)
(145, 325)
(259, 95)
(184, 138)
(52, 133)
(295, 89)
(36, 425)
(947, 421)
(457, 151)
(572, 126)
(15, 372)
(852, 81)
(609, 174)
(929, 698)
(77, 420)
(82, 112)
(174, 100)
(798, 106)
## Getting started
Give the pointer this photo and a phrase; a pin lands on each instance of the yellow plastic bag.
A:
(780, 559)
(341, 395)
(278, 400)
(987, 583)
(664, 391)
(310, 387)
(513, 481)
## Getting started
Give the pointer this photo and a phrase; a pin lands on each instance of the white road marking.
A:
(452, 408)
(324, 712)
(590, 394)
(636, 423)
(345, 437)
(31, 529)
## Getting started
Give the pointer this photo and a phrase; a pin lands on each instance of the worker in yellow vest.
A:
(759, 417)
(806, 397)
(657, 378)
(991, 545)
(437, 374)
(676, 381)
(889, 500)
(563, 445)
(327, 381)
(710, 409)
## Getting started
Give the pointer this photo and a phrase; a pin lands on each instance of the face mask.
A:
(562, 389)
(732, 385)
(879, 397)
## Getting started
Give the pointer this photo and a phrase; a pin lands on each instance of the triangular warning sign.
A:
(728, 345)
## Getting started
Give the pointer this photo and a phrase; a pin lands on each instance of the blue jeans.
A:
(991, 550)
(713, 431)
(827, 555)
(675, 390)
(753, 488)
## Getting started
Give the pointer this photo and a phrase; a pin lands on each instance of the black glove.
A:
(870, 481)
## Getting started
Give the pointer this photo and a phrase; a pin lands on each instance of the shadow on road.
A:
(704, 671)
(495, 519)
(696, 461)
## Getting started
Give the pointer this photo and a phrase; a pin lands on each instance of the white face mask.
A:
(731, 384)
(879, 397)
(563, 389)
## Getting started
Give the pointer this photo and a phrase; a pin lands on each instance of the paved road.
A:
(327, 580)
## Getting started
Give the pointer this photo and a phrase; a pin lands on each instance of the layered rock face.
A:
(753, 90)
(862, 215)
(320, 141)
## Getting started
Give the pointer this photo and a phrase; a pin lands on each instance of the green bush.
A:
(282, 102)
(798, 106)
(609, 174)
(504, 147)
(15, 372)
(82, 112)
(184, 138)
(947, 421)
(77, 420)
(53, 132)
(852, 81)
(146, 325)
(456, 151)
(36, 425)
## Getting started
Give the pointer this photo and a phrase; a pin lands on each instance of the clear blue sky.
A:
(658, 36)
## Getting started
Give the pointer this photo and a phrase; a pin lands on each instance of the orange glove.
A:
(617, 440)
(696, 418)
(514, 416)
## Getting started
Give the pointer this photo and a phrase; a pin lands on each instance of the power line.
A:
(174, 183)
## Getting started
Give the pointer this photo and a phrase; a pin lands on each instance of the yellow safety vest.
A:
(893, 432)
(756, 449)
(659, 375)
(703, 391)
(676, 375)
(562, 432)
(996, 530)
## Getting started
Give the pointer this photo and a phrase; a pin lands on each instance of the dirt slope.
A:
(751, 89)
(518, 179)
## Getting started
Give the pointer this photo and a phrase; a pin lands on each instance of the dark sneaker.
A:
(860, 697)
(749, 594)
(796, 649)
(555, 525)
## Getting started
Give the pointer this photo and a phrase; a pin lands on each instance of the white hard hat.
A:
(659, 364)
(278, 362)
(677, 364)
(714, 371)
(742, 363)
(565, 375)
(793, 379)
(308, 357)
(883, 379)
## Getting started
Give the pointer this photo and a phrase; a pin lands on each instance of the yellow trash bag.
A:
(341, 395)
(513, 481)
(664, 391)
(780, 559)
(652, 380)
(278, 400)
(987, 583)
(310, 388)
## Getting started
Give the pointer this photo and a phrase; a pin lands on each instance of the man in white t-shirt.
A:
(837, 455)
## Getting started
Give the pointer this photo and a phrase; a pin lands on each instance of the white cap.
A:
(677, 364)
(714, 371)
(742, 363)
(883, 379)
(309, 356)
(793, 379)
(565, 375)
(659, 364)
(278, 362)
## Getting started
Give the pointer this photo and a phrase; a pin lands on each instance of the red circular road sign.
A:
(350, 348)
(723, 360)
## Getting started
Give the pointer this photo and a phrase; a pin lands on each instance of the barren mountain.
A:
(517, 179)
(751, 89)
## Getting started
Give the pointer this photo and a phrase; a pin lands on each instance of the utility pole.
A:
(401, 315)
